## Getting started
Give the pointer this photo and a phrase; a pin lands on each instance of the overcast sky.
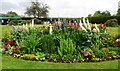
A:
(63, 8)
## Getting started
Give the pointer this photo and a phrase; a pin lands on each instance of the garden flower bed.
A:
(66, 44)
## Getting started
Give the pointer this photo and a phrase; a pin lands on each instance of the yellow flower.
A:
(10, 53)
(37, 58)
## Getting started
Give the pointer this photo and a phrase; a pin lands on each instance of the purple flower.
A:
(13, 29)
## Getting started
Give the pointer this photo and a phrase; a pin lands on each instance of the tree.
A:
(106, 13)
(99, 13)
(11, 14)
(37, 9)
(90, 15)
(118, 12)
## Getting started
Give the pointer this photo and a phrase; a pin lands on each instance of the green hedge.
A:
(103, 19)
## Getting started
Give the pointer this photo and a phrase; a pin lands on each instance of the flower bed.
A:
(65, 44)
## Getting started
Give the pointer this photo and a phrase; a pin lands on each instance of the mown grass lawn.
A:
(9, 62)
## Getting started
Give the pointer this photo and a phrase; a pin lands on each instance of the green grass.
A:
(5, 29)
(113, 30)
(13, 63)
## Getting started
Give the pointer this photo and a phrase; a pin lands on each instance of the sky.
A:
(63, 8)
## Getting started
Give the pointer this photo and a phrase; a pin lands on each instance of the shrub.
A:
(38, 21)
(14, 22)
(21, 22)
(111, 23)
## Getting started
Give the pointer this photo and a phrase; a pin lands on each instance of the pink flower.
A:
(85, 54)
(5, 47)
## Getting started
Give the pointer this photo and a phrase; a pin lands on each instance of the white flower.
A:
(23, 25)
(1, 50)
(82, 26)
(30, 25)
(32, 22)
(88, 25)
(94, 30)
(84, 23)
(97, 28)
(26, 25)
(118, 40)
(50, 29)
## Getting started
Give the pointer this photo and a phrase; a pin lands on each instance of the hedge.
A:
(103, 19)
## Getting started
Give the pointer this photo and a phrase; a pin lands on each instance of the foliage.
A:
(112, 23)
(118, 12)
(9, 14)
(13, 22)
(69, 46)
(37, 9)
(99, 13)
(21, 22)
(29, 57)
(12, 14)
(103, 19)
(40, 55)
(38, 21)
(29, 42)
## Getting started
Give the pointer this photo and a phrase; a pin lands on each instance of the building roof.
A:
(16, 17)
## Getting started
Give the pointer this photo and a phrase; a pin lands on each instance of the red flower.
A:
(68, 61)
(15, 49)
(72, 25)
(9, 42)
(63, 61)
(5, 47)
(6, 42)
(116, 44)
(101, 25)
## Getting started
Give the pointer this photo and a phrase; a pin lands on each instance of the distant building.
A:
(119, 5)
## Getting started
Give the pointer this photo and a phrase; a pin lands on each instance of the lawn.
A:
(9, 62)
(13, 63)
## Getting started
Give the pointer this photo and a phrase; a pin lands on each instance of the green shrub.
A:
(21, 22)
(14, 22)
(111, 23)
(38, 21)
